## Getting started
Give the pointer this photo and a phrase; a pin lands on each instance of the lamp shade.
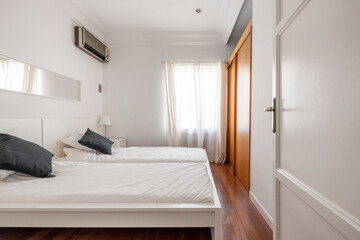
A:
(105, 120)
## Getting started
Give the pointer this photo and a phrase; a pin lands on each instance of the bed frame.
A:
(47, 132)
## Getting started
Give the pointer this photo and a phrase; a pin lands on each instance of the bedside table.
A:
(119, 142)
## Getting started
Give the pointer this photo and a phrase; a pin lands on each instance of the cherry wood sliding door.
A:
(242, 149)
(231, 113)
(239, 108)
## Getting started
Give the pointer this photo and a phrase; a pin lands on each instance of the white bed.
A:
(139, 155)
(81, 182)
(74, 209)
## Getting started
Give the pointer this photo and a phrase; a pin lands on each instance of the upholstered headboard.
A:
(27, 129)
(48, 132)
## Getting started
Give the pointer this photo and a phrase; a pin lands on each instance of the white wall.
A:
(262, 139)
(134, 87)
(40, 33)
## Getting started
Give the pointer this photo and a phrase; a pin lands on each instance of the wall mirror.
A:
(24, 78)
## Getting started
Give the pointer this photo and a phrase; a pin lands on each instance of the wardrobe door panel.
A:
(231, 114)
(242, 153)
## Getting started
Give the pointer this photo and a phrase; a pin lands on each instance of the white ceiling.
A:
(115, 16)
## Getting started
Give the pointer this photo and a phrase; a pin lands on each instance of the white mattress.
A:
(141, 155)
(113, 183)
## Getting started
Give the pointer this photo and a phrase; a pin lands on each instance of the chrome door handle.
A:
(272, 109)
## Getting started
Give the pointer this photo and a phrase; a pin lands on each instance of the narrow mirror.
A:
(21, 77)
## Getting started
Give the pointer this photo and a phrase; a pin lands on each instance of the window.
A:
(196, 96)
(196, 92)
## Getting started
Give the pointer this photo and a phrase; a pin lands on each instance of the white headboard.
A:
(27, 129)
(48, 132)
(56, 129)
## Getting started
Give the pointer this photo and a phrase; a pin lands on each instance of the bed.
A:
(185, 195)
(139, 155)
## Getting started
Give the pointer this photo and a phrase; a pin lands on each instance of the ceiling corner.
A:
(165, 38)
(84, 17)
(231, 13)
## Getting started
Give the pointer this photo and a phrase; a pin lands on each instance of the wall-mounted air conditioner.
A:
(91, 45)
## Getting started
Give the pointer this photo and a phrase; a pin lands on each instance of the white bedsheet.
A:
(140, 155)
(113, 183)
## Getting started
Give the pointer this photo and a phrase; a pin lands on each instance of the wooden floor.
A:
(241, 220)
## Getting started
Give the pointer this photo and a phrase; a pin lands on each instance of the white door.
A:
(317, 76)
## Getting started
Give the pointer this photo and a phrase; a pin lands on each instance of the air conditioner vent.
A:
(90, 44)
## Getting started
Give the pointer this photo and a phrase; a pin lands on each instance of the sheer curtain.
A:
(196, 98)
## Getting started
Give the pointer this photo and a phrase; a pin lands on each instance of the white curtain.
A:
(196, 98)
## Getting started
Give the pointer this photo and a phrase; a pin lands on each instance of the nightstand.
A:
(119, 142)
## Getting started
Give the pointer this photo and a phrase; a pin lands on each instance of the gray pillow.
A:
(26, 157)
(97, 142)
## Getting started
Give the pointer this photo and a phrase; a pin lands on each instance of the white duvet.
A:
(113, 183)
(139, 155)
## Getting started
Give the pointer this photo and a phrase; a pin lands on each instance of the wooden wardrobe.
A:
(239, 108)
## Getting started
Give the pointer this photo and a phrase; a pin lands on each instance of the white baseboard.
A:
(261, 209)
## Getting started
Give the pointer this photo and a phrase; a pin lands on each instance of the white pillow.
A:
(73, 141)
(78, 155)
(5, 173)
